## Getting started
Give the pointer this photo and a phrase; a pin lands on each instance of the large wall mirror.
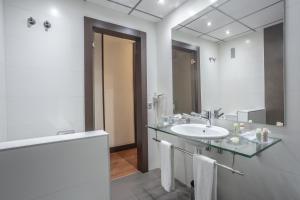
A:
(230, 56)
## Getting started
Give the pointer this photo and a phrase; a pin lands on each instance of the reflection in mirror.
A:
(229, 58)
(187, 56)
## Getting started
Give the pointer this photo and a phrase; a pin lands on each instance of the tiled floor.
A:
(123, 163)
(146, 187)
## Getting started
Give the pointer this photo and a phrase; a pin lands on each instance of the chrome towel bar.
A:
(190, 154)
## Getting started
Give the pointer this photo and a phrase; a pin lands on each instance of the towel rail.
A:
(218, 164)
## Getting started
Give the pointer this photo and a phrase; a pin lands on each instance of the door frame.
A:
(140, 80)
(197, 75)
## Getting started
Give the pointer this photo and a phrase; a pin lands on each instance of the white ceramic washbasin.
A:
(200, 131)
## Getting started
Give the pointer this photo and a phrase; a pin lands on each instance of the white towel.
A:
(205, 177)
(167, 166)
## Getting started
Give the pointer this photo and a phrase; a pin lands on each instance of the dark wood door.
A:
(184, 81)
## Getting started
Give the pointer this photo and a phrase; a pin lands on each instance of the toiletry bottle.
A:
(236, 128)
(265, 135)
(259, 134)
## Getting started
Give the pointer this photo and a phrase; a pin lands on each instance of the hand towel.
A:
(205, 177)
(167, 166)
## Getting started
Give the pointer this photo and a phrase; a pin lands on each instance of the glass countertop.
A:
(245, 147)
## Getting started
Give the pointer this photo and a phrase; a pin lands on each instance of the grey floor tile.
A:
(146, 187)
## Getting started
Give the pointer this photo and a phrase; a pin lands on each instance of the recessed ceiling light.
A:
(209, 23)
(213, 1)
(228, 32)
(248, 41)
(161, 2)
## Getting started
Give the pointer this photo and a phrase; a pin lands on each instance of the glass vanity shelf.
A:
(244, 147)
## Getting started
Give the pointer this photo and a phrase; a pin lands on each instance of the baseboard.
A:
(122, 148)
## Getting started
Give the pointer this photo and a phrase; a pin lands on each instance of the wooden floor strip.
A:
(123, 163)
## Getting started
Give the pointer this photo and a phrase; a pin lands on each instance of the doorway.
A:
(186, 78)
(116, 92)
(114, 100)
(116, 97)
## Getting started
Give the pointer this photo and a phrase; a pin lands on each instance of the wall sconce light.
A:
(212, 59)
(47, 25)
(30, 22)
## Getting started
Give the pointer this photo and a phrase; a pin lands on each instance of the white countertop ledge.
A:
(16, 144)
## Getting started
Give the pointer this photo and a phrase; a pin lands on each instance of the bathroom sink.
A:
(200, 131)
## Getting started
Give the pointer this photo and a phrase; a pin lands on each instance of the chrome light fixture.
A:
(47, 25)
(31, 22)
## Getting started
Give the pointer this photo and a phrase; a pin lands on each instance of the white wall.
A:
(45, 87)
(70, 169)
(241, 80)
(2, 78)
(274, 174)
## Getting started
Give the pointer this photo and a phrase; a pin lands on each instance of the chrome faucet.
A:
(204, 115)
(217, 113)
(207, 115)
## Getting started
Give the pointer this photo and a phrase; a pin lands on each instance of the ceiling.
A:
(147, 9)
(228, 19)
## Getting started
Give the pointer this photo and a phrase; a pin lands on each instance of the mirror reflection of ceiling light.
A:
(209, 23)
(54, 12)
(161, 2)
(192, 12)
(227, 32)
